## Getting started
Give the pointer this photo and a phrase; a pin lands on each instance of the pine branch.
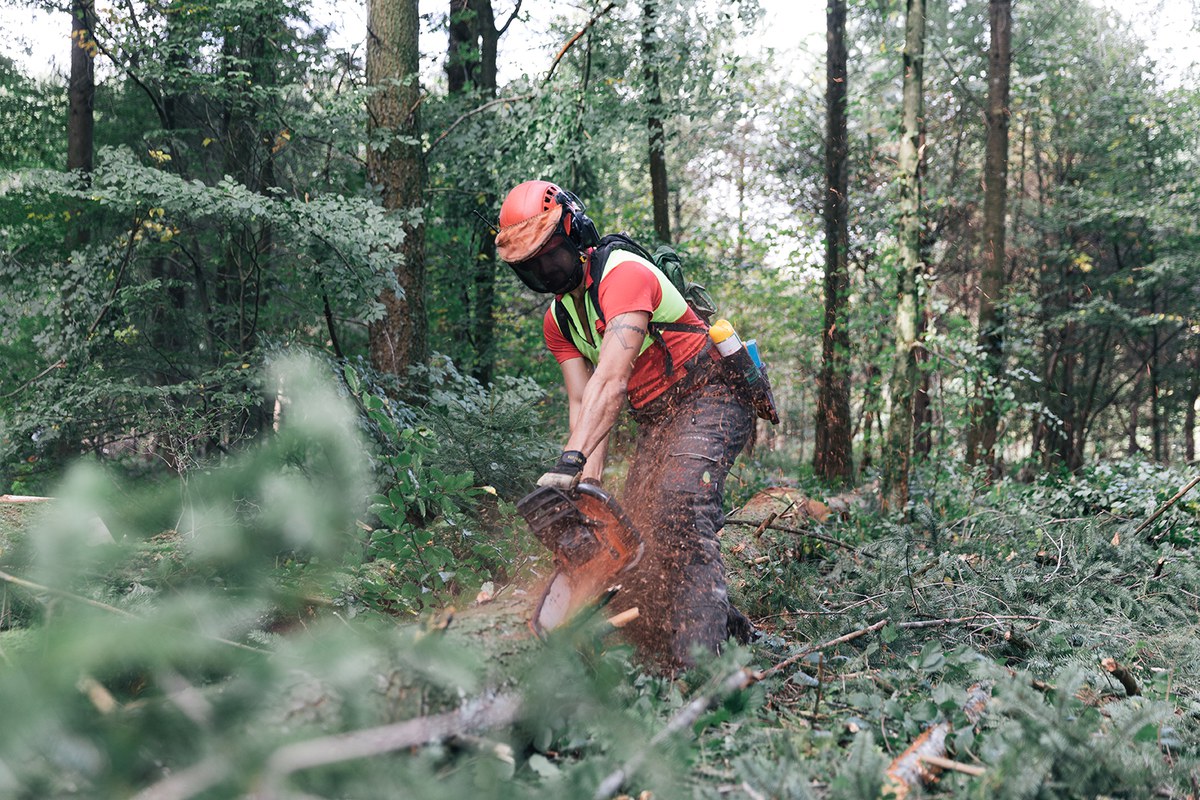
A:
(37, 587)
(926, 756)
(1163, 509)
(820, 537)
(685, 717)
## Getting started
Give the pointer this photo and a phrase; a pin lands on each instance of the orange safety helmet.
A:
(527, 200)
(544, 233)
(531, 198)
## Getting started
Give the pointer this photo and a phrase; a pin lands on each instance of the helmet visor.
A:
(555, 269)
(524, 239)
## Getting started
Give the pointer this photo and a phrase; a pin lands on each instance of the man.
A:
(620, 330)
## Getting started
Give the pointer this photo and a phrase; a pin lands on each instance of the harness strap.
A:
(597, 263)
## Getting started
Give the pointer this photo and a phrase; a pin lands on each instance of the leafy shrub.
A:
(439, 531)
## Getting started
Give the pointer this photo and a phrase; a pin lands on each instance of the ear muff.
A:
(576, 223)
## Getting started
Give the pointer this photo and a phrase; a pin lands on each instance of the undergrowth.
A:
(1027, 588)
(209, 650)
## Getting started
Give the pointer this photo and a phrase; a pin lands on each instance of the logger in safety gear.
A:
(620, 331)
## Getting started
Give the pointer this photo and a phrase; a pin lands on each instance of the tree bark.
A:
(1158, 435)
(396, 165)
(981, 439)
(81, 119)
(81, 92)
(471, 66)
(654, 123)
(897, 456)
(1189, 416)
(923, 405)
(833, 459)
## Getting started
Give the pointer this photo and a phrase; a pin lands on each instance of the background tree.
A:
(659, 187)
(981, 440)
(396, 164)
(82, 88)
(832, 455)
(909, 272)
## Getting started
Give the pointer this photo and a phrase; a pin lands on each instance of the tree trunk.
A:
(1189, 415)
(922, 407)
(658, 160)
(1158, 443)
(897, 455)
(833, 459)
(1131, 431)
(871, 408)
(396, 164)
(81, 125)
(82, 89)
(484, 322)
(462, 52)
(981, 439)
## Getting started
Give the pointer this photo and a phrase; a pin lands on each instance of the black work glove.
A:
(565, 473)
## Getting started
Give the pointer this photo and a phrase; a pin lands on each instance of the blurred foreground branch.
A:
(481, 714)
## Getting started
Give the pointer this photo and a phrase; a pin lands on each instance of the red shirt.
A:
(631, 286)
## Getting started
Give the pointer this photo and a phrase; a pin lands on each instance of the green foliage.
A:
(494, 432)
(1019, 587)
(30, 122)
(439, 526)
(229, 220)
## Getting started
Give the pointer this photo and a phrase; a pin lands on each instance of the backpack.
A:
(668, 262)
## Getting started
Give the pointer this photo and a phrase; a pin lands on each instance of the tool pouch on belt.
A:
(751, 384)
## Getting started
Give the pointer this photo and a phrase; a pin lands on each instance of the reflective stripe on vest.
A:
(670, 308)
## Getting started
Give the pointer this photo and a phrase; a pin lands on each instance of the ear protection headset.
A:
(576, 223)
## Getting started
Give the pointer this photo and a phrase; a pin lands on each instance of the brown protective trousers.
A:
(673, 495)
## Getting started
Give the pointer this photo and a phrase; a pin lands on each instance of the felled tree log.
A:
(926, 756)
(780, 525)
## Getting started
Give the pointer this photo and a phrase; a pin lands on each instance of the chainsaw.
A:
(593, 542)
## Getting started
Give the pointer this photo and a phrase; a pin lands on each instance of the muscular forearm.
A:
(602, 401)
(596, 396)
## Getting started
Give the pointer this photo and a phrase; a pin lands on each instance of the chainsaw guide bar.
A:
(593, 543)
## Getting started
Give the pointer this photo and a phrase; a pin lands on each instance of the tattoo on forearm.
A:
(619, 328)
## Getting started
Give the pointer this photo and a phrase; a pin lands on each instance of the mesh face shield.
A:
(555, 269)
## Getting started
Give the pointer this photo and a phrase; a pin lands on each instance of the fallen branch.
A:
(774, 515)
(820, 537)
(953, 766)
(848, 637)
(688, 715)
(87, 601)
(684, 718)
(478, 715)
(188, 782)
(1163, 509)
(937, 623)
(576, 38)
(926, 756)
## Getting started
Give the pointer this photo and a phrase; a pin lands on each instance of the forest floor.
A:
(1022, 633)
